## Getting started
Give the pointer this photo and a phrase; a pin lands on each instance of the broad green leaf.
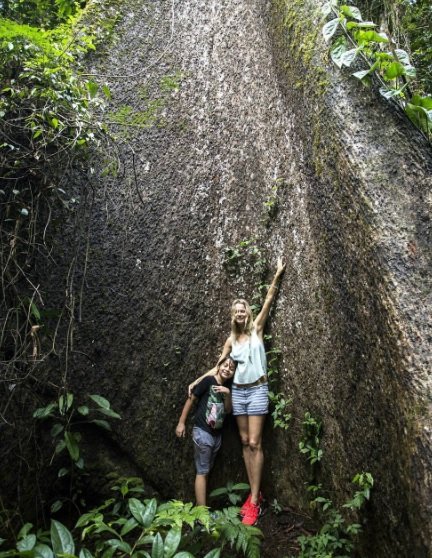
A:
(215, 553)
(360, 24)
(172, 541)
(35, 311)
(92, 88)
(69, 400)
(56, 506)
(351, 11)
(54, 123)
(61, 538)
(218, 492)
(85, 553)
(56, 429)
(361, 74)
(241, 486)
(26, 543)
(366, 37)
(60, 446)
(24, 531)
(394, 70)
(62, 472)
(326, 9)
(420, 116)
(338, 48)
(109, 552)
(184, 554)
(120, 545)
(42, 551)
(348, 57)
(102, 423)
(109, 413)
(329, 29)
(107, 91)
(83, 410)
(158, 547)
(101, 401)
(87, 517)
(130, 524)
(410, 71)
(402, 56)
(44, 412)
(71, 445)
(137, 509)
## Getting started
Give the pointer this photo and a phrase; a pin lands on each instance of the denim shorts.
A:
(206, 447)
(250, 401)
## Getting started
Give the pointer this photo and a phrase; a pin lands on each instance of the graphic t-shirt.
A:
(210, 410)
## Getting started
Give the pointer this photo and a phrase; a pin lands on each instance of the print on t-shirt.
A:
(215, 412)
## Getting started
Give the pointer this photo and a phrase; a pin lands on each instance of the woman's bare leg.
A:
(256, 456)
(243, 426)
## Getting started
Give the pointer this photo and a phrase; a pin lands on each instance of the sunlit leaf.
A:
(337, 50)
(330, 28)
(351, 11)
(61, 538)
(348, 57)
(172, 541)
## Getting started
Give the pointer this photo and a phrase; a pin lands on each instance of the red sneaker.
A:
(247, 503)
(252, 514)
(245, 506)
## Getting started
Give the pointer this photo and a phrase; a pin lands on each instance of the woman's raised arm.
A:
(261, 319)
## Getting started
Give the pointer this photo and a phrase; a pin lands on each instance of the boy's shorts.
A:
(251, 401)
(206, 447)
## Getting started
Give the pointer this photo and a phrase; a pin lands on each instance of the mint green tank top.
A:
(251, 360)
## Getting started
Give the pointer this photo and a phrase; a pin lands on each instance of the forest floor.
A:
(281, 531)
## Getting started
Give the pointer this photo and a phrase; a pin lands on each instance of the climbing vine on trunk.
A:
(353, 39)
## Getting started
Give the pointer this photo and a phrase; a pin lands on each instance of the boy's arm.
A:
(225, 352)
(181, 426)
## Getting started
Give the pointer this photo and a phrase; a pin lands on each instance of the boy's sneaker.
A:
(252, 514)
(245, 506)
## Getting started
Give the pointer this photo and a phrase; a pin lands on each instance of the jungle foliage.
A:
(47, 129)
(356, 42)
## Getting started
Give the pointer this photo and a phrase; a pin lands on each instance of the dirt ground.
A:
(281, 531)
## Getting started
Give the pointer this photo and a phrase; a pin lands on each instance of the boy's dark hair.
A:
(225, 359)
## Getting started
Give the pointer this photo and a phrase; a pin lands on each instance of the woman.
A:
(245, 345)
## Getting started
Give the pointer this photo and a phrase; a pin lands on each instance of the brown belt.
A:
(262, 380)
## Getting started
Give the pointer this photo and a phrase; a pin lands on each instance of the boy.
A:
(214, 402)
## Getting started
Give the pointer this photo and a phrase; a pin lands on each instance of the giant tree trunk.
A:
(264, 141)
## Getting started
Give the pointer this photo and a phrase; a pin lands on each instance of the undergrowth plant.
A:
(144, 529)
(66, 422)
(309, 445)
(354, 40)
(337, 536)
(232, 493)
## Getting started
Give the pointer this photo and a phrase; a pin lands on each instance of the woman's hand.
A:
(191, 386)
(181, 430)
(280, 267)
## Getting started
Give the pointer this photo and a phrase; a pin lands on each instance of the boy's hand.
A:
(181, 430)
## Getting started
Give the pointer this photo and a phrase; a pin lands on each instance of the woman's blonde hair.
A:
(236, 331)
